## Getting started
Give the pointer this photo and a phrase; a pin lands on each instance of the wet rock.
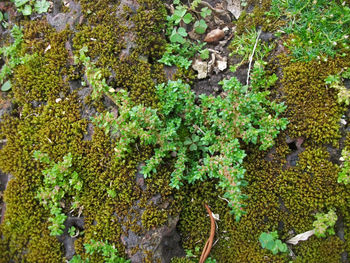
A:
(60, 20)
(66, 239)
(163, 242)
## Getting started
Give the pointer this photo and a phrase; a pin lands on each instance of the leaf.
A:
(41, 6)
(176, 38)
(200, 26)
(182, 31)
(6, 86)
(193, 147)
(27, 10)
(19, 3)
(187, 141)
(204, 54)
(301, 237)
(205, 11)
(187, 18)
(1, 16)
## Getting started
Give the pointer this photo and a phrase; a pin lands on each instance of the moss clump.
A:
(280, 198)
(152, 217)
(127, 43)
(43, 76)
(313, 110)
(256, 18)
(320, 251)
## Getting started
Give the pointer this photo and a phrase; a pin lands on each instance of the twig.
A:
(251, 56)
(208, 245)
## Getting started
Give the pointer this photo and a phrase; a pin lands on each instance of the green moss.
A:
(43, 77)
(313, 110)
(320, 250)
(152, 217)
(256, 18)
(280, 198)
(127, 51)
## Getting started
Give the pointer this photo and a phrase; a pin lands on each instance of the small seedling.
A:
(271, 242)
(72, 231)
(324, 223)
(200, 26)
(26, 6)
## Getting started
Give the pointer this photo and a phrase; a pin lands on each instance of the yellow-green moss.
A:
(313, 110)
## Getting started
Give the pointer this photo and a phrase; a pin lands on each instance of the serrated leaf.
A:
(41, 6)
(27, 10)
(19, 3)
(6, 86)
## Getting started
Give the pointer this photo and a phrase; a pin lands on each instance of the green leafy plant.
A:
(59, 181)
(180, 50)
(244, 112)
(344, 174)
(318, 29)
(4, 19)
(204, 54)
(179, 55)
(12, 57)
(26, 7)
(325, 223)
(200, 26)
(108, 251)
(205, 11)
(271, 242)
(335, 82)
(72, 231)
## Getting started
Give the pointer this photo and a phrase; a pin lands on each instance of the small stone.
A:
(214, 36)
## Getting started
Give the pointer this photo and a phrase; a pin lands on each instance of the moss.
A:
(152, 217)
(43, 77)
(320, 250)
(313, 110)
(256, 18)
(126, 45)
(281, 198)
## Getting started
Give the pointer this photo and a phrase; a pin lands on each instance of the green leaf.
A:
(182, 31)
(1, 16)
(187, 18)
(200, 26)
(41, 6)
(204, 54)
(27, 10)
(177, 38)
(205, 11)
(187, 141)
(19, 3)
(6, 86)
(193, 147)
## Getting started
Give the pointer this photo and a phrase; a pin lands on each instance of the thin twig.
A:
(251, 57)
(208, 245)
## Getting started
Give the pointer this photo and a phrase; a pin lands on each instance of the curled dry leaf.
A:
(301, 237)
(214, 36)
